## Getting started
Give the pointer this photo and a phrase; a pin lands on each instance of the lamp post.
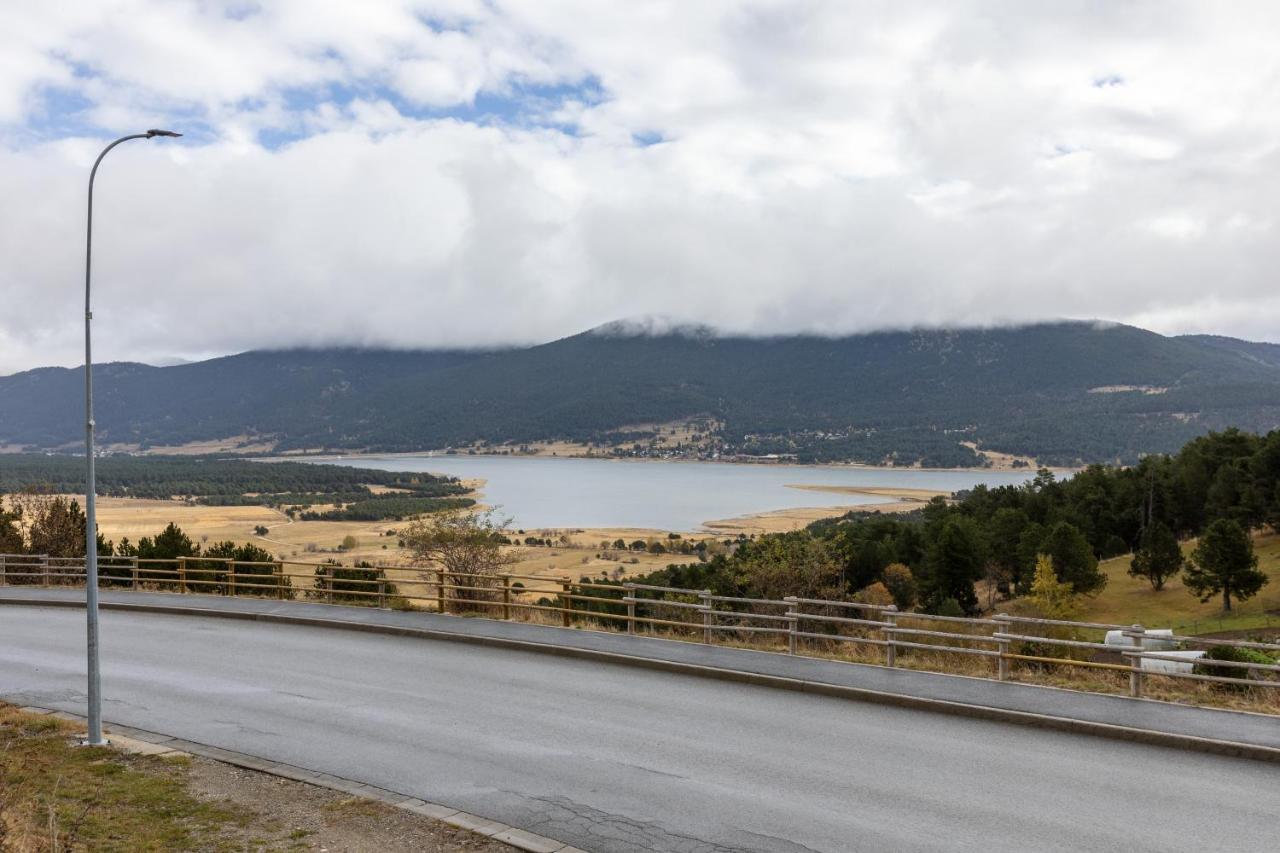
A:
(91, 526)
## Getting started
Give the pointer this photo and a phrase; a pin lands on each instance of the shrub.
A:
(252, 576)
(901, 584)
(876, 593)
(355, 585)
(1236, 654)
(946, 607)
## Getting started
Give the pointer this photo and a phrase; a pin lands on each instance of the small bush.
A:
(1236, 654)
(877, 593)
(945, 607)
(356, 585)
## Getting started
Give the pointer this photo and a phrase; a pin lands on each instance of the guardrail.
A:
(798, 626)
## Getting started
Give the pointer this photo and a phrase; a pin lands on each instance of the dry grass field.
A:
(136, 517)
(1127, 600)
(315, 541)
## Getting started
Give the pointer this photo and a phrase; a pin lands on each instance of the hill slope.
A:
(1062, 392)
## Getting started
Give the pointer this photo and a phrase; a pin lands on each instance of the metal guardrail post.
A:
(792, 623)
(566, 611)
(440, 582)
(1135, 663)
(890, 615)
(506, 598)
(707, 615)
(631, 606)
(1002, 646)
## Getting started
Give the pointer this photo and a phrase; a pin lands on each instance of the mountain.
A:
(1062, 392)
(1262, 353)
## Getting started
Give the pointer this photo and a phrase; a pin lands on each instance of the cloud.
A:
(477, 173)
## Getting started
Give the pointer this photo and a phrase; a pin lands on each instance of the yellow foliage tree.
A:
(1053, 598)
(877, 593)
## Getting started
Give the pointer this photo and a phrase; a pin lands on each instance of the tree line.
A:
(213, 480)
(1218, 488)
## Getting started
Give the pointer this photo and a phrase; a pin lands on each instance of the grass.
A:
(56, 796)
(357, 807)
(1127, 600)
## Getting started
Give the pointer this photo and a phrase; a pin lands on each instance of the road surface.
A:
(615, 758)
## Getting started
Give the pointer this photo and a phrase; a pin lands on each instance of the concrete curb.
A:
(152, 743)
(1025, 718)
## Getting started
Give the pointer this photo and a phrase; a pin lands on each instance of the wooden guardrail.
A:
(798, 626)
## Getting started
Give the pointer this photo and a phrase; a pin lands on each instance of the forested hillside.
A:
(932, 558)
(1064, 393)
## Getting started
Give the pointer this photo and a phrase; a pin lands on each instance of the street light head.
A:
(153, 132)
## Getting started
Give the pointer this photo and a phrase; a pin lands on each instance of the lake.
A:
(667, 495)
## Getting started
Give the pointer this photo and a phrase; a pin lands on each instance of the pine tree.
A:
(1224, 562)
(1158, 557)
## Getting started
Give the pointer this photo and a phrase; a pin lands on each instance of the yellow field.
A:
(136, 517)
(316, 541)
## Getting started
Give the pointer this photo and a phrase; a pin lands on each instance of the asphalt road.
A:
(615, 758)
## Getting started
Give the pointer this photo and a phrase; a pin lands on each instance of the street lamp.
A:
(91, 526)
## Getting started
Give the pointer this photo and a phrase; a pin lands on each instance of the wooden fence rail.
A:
(798, 626)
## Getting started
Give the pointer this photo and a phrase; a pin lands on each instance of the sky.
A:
(486, 172)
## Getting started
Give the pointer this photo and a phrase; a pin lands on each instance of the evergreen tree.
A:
(1005, 534)
(1224, 563)
(1158, 558)
(955, 562)
(169, 544)
(11, 541)
(1073, 559)
(55, 525)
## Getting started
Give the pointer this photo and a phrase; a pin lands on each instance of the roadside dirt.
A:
(287, 815)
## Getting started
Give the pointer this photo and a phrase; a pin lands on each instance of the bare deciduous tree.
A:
(467, 548)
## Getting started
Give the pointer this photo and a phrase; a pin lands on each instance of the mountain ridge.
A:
(1064, 392)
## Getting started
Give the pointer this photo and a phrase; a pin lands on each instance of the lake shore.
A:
(785, 520)
(678, 496)
(601, 457)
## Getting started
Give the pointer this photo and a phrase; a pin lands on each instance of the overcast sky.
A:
(470, 173)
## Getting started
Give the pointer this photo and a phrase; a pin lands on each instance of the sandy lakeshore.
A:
(783, 520)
